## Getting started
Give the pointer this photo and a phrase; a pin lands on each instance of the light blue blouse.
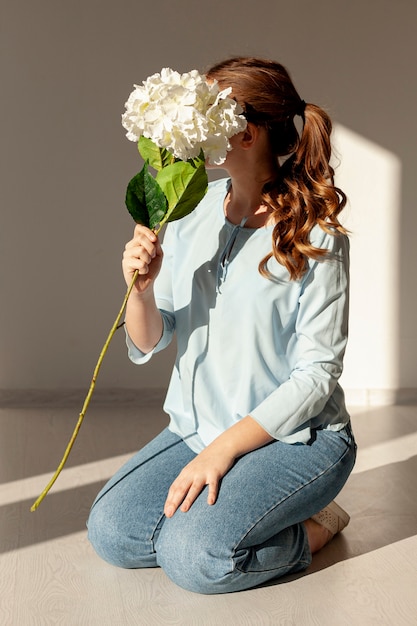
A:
(248, 345)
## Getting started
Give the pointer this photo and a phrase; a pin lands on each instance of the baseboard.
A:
(26, 398)
(380, 397)
(38, 398)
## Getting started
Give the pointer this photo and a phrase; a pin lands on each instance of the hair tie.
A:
(300, 108)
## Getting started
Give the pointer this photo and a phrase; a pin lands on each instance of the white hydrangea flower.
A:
(224, 121)
(184, 114)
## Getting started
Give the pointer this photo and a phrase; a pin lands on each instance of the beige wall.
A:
(66, 71)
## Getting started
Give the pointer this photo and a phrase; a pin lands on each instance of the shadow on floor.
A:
(381, 501)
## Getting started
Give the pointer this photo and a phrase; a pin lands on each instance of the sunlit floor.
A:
(50, 575)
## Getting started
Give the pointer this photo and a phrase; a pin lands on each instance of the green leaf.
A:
(156, 202)
(156, 157)
(135, 199)
(145, 200)
(184, 185)
(173, 194)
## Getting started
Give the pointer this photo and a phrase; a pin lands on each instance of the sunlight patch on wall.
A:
(371, 177)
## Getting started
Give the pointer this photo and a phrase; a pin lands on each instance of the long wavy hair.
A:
(303, 193)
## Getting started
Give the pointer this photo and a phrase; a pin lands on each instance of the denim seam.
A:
(153, 533)
(233, 556)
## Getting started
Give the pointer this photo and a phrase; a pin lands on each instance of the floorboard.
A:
(49, 574)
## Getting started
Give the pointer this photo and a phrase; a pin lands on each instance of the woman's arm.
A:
(315, 352)
(143, 319)
(209, 467)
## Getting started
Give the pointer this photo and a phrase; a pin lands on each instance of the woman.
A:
(255, 284)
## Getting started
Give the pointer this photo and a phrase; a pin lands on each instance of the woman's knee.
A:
(114, 544)
(194, 563)
(104, 537)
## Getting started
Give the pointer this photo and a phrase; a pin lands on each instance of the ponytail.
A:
(303, 196)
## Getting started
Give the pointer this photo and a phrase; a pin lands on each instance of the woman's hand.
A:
(144, 254)
(208, 468)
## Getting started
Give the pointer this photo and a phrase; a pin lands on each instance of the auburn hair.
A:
(303, 193)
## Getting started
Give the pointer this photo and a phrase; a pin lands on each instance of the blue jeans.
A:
(253, 533)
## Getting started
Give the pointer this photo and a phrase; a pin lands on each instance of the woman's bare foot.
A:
(318, 535)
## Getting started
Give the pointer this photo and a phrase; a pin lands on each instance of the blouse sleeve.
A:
(318, 345)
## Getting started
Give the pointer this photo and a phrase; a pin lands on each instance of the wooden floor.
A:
(50, 575)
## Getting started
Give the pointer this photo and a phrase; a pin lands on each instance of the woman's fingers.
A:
(143, 254)
(179, 490)
(213, 490)
(137, 258)
(143, 247)
(183, 494)
(191, 496)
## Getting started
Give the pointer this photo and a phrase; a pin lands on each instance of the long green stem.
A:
(115, 326)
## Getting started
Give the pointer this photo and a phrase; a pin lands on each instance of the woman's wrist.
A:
(142, 295)
(243, 437)
(143, 321)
